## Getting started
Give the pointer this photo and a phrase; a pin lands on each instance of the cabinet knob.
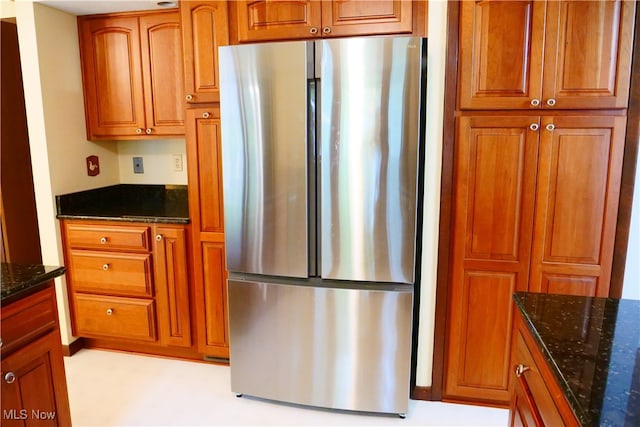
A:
(158, 237)
(10, 377)
(326, 30)
(521, 369)
(189, 97)
(148, 131)
(535, 102)
(313, 30)
(139, 130)
(206, 115)
(551, 102)
(534, 126)
(550, 127)
(109, 311)
(105, 267)
(104, 240)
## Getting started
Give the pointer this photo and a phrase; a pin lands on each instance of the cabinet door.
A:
(277, 19)
(501, 44)
(161, 43)
(577, 204)
(172, 285)
(204, 28)
(356, 17)
(111, 72)
(205, 169)
(495, 175)
(588, 54)
(34, 387)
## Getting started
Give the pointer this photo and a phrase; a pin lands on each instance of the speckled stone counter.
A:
(127, 202)
(592, 346)
(20, 280)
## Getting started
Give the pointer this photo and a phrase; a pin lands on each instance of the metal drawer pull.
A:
(521, 369)
(535, 102)
(551, 102)
(206, 115)
(109, 311)
(139, 130)
(189, 97)
(158, 237)
(550, 127)
(10, 377)
(104, 240)
(148, 131)
(105, 267)
(326, 30)
(313, 30)
(534, 126)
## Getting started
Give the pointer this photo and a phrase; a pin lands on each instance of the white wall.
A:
(157, 159)
(437, 30)
(631, 287)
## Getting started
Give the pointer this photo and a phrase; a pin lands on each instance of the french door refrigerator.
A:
(321, 147)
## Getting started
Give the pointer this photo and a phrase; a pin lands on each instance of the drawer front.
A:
(114, 317)
(533, 381)
(26, 319)
(111, 273)
(121, 237)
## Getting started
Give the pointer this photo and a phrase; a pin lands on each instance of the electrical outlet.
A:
(137, 165)
(177, 162)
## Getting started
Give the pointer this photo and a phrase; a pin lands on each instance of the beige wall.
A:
(157, 158)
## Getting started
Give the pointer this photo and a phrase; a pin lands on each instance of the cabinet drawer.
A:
(115, 317)
(26, 319)
(129, 237)
(111, 273)
(534, 382)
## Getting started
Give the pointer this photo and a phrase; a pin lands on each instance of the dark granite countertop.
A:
(127, 202)
(20, 280)
(593, 348)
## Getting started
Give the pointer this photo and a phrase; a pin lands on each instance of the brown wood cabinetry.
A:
(204, 29)
(288, 19)
(535, 209)
(132, 75)
(537, 398)
(545, 54)
(129, 282)
(205, 204)
(33, 386)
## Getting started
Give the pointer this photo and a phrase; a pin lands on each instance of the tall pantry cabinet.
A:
(205, 27)
(541, 112)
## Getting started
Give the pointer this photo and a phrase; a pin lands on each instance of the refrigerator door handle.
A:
(311, 180)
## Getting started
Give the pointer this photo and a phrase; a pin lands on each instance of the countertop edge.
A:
(564, 385)
(31, 286)
(142, 219)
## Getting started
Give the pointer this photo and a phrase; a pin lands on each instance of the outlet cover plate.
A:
(137, 165)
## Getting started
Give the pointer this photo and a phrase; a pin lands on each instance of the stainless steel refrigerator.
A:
(321, 144)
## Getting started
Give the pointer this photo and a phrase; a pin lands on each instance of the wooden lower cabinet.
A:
(206, 207)
(535, 208)
(537, 399)
(33, 388)
(130, 284)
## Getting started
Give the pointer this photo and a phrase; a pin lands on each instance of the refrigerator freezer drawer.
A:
(330, 347)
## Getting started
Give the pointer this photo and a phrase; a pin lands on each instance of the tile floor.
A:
(118, 389)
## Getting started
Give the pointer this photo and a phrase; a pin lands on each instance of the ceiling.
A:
(90, 7)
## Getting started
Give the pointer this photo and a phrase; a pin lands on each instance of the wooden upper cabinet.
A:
(277, 19)
(545, 54)
(576, 204)
(588, 54)
(287, 19)
(161, 43)
(132, 75)
(112, 76)
(204, 28)
(356, 17)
